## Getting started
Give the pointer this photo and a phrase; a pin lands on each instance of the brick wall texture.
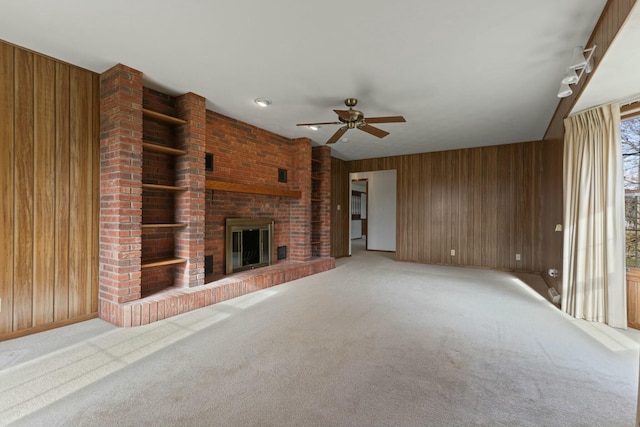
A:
(243, 154)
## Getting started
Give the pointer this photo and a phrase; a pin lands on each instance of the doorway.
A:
(358, 233)
(380, 210)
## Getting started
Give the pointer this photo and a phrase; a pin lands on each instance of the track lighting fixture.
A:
(580, 64)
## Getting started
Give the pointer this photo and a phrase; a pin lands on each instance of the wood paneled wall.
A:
(49, 187)
(610, 22)
(339, 218)
(484, 203)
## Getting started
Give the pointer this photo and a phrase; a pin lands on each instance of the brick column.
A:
(120, 188)
(300, 216)
(322, 170)
(190, 205)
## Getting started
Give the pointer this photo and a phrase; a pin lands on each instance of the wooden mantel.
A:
(251, 189)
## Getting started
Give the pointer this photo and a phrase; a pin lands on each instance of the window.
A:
(630, 136)
(356, 204)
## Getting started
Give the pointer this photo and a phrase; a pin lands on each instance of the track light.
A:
(564, 90)
(570, 78)
(580, 64)
(578, 60)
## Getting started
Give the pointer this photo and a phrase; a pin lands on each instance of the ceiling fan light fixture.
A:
(263, 102)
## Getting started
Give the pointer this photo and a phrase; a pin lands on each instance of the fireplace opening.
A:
(249, 243)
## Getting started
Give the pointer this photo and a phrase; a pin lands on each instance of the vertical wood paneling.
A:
(504, 202)
(6, 186)
(339, 218)
(49, 179)
(425, 199)
(633, 298)
(23, 175)
(414, 241)
(63, 166)
(477, 208)
(454, 204)
(437, 226)
(482, 202)
(44, 190)
(490, 205)
(94, 235)
(80, 205)
(463, 251)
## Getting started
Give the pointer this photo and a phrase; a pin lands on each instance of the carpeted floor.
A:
(372, 343)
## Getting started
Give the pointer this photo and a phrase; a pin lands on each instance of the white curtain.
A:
(593, 282)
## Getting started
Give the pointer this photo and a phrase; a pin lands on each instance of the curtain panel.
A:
(593, 282)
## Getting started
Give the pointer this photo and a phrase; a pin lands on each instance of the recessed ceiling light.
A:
(313, 127)
(263, 102)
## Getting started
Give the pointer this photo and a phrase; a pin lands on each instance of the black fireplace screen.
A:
(249, 243)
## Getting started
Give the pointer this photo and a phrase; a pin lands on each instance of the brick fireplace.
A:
(172, 173)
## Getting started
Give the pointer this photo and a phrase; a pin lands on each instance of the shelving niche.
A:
(315, 207)
(158, 200)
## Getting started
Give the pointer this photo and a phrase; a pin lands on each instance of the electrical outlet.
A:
(453, 252)
(517, 257)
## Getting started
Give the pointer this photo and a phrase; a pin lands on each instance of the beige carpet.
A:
(372, 343)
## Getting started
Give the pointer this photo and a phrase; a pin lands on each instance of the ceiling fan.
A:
(354, 119)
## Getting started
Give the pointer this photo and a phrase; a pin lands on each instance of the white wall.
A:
(381, 217)
(356, 229)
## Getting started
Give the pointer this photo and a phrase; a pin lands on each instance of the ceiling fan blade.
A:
(343, 114)
(390, 119)
(373, 131)
(336, 136)
(323, 123)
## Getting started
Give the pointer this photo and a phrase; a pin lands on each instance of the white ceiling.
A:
(464, 73)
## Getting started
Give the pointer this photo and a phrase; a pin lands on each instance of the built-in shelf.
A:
(163, 117)
(179, 225)
(316, 200)
(316, 161)
(316, 178)
(162, 149)
(163, 187)
(316, 222)
(251, 189)
(161, 262)
(316, 243)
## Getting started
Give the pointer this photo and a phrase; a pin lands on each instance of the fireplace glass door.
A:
(249, 243)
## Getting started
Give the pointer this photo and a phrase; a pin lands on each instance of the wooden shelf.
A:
(315, 160)
(316, 243)
(163, 117)
(161, 262)
(163, 187)
(316, 222)
(179, 225)
(316, 178)
(162, 149)
(316, 200)
(251, 189)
